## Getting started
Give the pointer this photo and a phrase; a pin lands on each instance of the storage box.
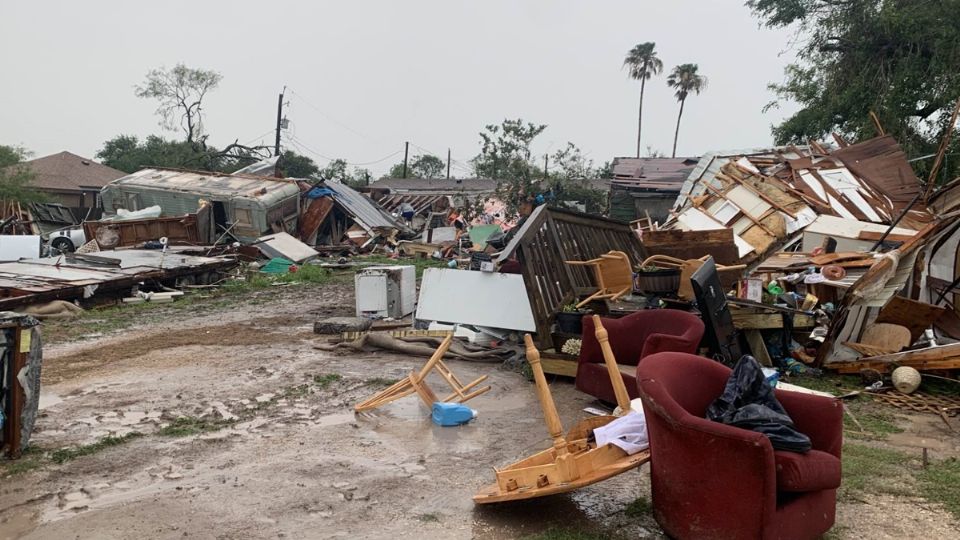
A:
(385, 291)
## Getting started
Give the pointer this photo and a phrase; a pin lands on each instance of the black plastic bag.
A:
(748, 402)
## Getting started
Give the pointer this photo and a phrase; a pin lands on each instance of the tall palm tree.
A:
(684, 79)
(642, 63)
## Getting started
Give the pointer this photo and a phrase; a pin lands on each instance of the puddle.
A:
(335, 419)
(49, 399)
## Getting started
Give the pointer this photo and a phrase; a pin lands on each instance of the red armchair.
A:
(711, 480)
(632, 338)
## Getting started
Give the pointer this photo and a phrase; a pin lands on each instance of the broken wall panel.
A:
(547, 239)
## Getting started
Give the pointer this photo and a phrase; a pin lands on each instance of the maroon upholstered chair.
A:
(712, 480)
(632, 338)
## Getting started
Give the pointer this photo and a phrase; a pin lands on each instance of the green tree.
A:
(180, 92)
(897, 58)
(422, 166)
(338, 169)
(569, 180)
(295, 165)
(684, 79)
(15, 178)
(505, 155)
(642, 63)
(129, 154)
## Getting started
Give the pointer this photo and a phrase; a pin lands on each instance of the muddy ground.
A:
(242, 429)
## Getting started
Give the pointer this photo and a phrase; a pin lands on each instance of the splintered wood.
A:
(921, 402)
(415, 382)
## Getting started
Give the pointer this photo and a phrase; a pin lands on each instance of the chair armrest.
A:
(656, 343)
(693, 459)
(817, 417)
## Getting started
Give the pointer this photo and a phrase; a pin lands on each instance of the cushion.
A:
(813, 471)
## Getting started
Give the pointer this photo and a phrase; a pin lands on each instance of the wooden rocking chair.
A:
(416, 382)
(613, 273)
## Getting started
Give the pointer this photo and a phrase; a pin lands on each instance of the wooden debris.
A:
(416, 383)
(613, 273)
(573, 462)
(916, 316)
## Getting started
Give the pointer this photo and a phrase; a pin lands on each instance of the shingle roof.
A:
(70, 172)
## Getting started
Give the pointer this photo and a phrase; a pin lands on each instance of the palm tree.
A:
(684, 79)
(643, 63)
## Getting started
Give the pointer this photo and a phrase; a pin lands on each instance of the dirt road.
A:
(241, 429)
(272, 447)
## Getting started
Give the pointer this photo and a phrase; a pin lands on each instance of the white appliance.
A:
(385, 291)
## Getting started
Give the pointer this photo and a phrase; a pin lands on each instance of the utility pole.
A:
(546, 163)
(448, 163)
(276, 145)
(406, 152)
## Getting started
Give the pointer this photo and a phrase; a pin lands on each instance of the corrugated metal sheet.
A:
(420, 203)
(364, 211)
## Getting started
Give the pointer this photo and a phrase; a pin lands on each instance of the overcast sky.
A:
(368, 75)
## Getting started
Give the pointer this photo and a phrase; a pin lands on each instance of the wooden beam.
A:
(758, 347)
(942, 357)
(748, 320)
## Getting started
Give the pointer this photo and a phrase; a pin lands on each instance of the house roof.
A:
(637, 168)
(69, 172)
(363, 209)
(210, 184)
(440, 186)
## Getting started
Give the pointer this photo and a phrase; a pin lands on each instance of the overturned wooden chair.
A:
(415, 382)
(574, 461)
(613, 273)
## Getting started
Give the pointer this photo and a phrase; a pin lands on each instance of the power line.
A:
(308, 149)
(327, 116)
(262, 135)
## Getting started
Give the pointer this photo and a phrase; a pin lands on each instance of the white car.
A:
(67, 240)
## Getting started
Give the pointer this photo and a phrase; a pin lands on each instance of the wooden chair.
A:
(415, 382)
(613, 273)
(573, 461)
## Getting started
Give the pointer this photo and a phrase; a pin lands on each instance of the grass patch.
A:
(64, 455)
(31, 459)
(567, 534)
(867, 469)
(876, 420)
(380, 381)
(828, 382)
(326, 379)
(940, 482)
(307, 273)
(185, 426)
(428, 518)
(296, 391)
(641, 507)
